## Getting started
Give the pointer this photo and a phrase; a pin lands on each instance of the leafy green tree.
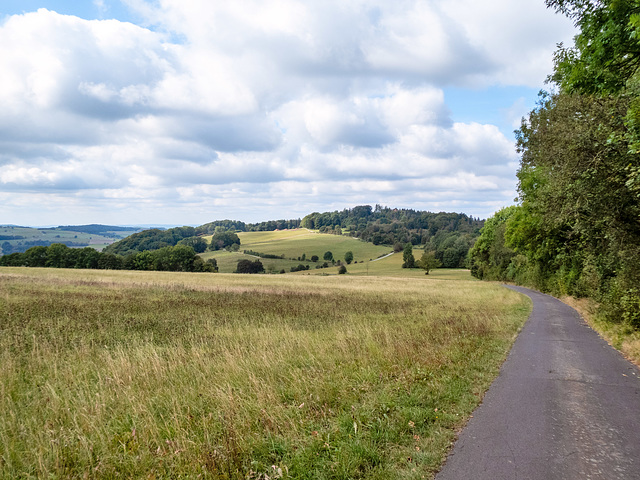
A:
(57, 256)
(200, 265)
(314, 258)
(144, 261)
(247, 266)
(606, 51)
(490, 256)
(87, 258)
(328, 256)
(36, 256)
(198, 244)
(14, 259)
(224, 239)
(109, 261)
(408, 260)
(428, 261)
(342, 270)
(348, 257)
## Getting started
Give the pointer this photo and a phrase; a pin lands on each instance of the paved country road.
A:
(566, 405)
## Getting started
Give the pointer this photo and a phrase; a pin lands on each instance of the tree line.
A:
(576, 227)
(179, 258)
(238, 226)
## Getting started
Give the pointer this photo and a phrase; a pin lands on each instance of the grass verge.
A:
(619, 335)
(164, 375)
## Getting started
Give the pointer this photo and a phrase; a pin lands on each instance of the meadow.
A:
(293, 244)
(107, 374)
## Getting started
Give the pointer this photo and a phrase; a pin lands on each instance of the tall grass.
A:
(157, 375)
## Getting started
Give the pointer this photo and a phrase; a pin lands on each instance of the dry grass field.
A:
(115, 374)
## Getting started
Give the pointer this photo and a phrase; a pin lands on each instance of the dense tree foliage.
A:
(576, 229)
(180, 258)
(348, 257)
(408, 260)
(247, 266)
(606, 52)
(152, 239)
(223, 239)
(24, 245)
(428, 261)
(449, 235)
(199, 244)
(237, 226)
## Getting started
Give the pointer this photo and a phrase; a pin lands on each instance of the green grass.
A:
(391, 266)
(293, 244)
(113, 374)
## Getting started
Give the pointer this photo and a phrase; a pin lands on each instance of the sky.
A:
(188, 111)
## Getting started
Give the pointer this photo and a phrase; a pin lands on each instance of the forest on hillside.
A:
(449, 235)
(576, 227)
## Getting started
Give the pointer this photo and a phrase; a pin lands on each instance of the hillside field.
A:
(130, 374)
(293, 244)
(369, 259)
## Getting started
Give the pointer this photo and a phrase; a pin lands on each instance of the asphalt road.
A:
(566, 405)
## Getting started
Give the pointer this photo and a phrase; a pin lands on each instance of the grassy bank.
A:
(164, 375)
(619, 335)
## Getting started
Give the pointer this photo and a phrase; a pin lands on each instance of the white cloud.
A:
(263, 106)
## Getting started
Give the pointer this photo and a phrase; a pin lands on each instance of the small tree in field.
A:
(428, 261)
(328, 256)
(342, 270)
(407, 257)
(348, 257)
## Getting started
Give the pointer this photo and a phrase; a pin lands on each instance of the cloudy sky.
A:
(188, 111)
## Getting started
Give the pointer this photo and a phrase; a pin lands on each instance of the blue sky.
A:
(87, 9)
(178, 112)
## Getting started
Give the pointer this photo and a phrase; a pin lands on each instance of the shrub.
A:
(247, 266)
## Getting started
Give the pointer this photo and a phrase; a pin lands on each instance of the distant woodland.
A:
(576, 228)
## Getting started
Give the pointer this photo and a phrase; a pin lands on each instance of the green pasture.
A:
(293, 244)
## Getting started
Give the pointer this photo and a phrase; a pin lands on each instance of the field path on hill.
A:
(383, 257)
(566, 406)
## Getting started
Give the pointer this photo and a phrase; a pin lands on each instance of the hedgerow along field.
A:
(108, 374)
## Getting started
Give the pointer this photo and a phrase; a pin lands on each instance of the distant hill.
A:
(98, 229)
(16, 239)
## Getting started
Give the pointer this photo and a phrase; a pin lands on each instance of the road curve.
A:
(565, 406)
